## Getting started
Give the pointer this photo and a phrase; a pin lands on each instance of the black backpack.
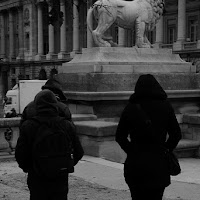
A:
(52, 150)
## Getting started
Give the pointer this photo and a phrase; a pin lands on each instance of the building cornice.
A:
(5, 5)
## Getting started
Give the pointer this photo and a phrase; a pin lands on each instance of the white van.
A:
(21, 94)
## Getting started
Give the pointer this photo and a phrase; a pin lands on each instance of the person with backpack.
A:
(47, 149)
(55, 86)
(147, 127)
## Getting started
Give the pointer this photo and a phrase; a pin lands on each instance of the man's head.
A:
(55, 86)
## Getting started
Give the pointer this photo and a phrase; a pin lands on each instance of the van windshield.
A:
(9, 101)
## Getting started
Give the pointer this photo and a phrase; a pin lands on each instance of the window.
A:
(171, 31)
(16, 44)
(13, 70)
(193, 28)
(9, 101)
(13, 82)
(27, 41)
(53, 73)
(171, 35)
(116, 34)
(150, 36)
(42, 75)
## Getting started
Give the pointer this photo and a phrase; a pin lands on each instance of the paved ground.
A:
(98, 179)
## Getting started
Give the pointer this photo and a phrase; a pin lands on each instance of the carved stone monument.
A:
(101, 79)
(105, 70)
(126, 60)
(139, 14)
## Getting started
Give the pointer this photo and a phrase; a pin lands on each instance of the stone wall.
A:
(9, 133)
(98, 136)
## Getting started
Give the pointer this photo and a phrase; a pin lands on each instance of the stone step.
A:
(98, 139)
(83, 117)
(187, 148)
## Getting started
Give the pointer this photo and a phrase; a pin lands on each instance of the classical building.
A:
(37, 36)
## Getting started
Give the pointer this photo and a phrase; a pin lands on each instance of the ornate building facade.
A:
(37, 36)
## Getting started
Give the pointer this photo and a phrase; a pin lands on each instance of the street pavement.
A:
(185, 186)
(99, 172)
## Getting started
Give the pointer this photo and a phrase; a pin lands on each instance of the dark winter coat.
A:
(47, 110)
(30, 111)
(141, 133)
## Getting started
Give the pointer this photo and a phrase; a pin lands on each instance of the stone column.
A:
(198, 44)
(89, 34)
(181, 25)
(75, 28)
(33, 33)
(159, 33)
(63, 43)
(40, 32)
(3, 50)
(11, 35)
(121, 37)
(20, 34)
(51, 38)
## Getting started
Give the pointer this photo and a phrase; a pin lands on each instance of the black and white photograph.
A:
(99, 99)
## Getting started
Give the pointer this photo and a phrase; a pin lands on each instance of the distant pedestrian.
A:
(142, 133)
(47, 149)
(11, 114)
(55, 86)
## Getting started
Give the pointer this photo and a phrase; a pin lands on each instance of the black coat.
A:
(142, 136)
(30, 111)
(47, 111)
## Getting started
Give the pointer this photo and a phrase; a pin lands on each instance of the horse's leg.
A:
(104, 23)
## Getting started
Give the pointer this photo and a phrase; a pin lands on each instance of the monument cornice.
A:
(125, 95)
(10, 4)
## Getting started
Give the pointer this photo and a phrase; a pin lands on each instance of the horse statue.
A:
(141, 15)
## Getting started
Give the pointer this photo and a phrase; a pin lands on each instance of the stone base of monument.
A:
(110, 104)
(100, 81)
(98, 138)
(108, 69)
(126, 60)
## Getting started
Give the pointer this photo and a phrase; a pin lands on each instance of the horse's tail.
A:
(89, 17)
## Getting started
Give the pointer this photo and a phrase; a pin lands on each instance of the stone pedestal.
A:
(101, 69)
(98, 139)
(100, 80)
(126, 60)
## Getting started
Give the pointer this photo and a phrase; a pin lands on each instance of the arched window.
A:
(42, 75)
(53, 72)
